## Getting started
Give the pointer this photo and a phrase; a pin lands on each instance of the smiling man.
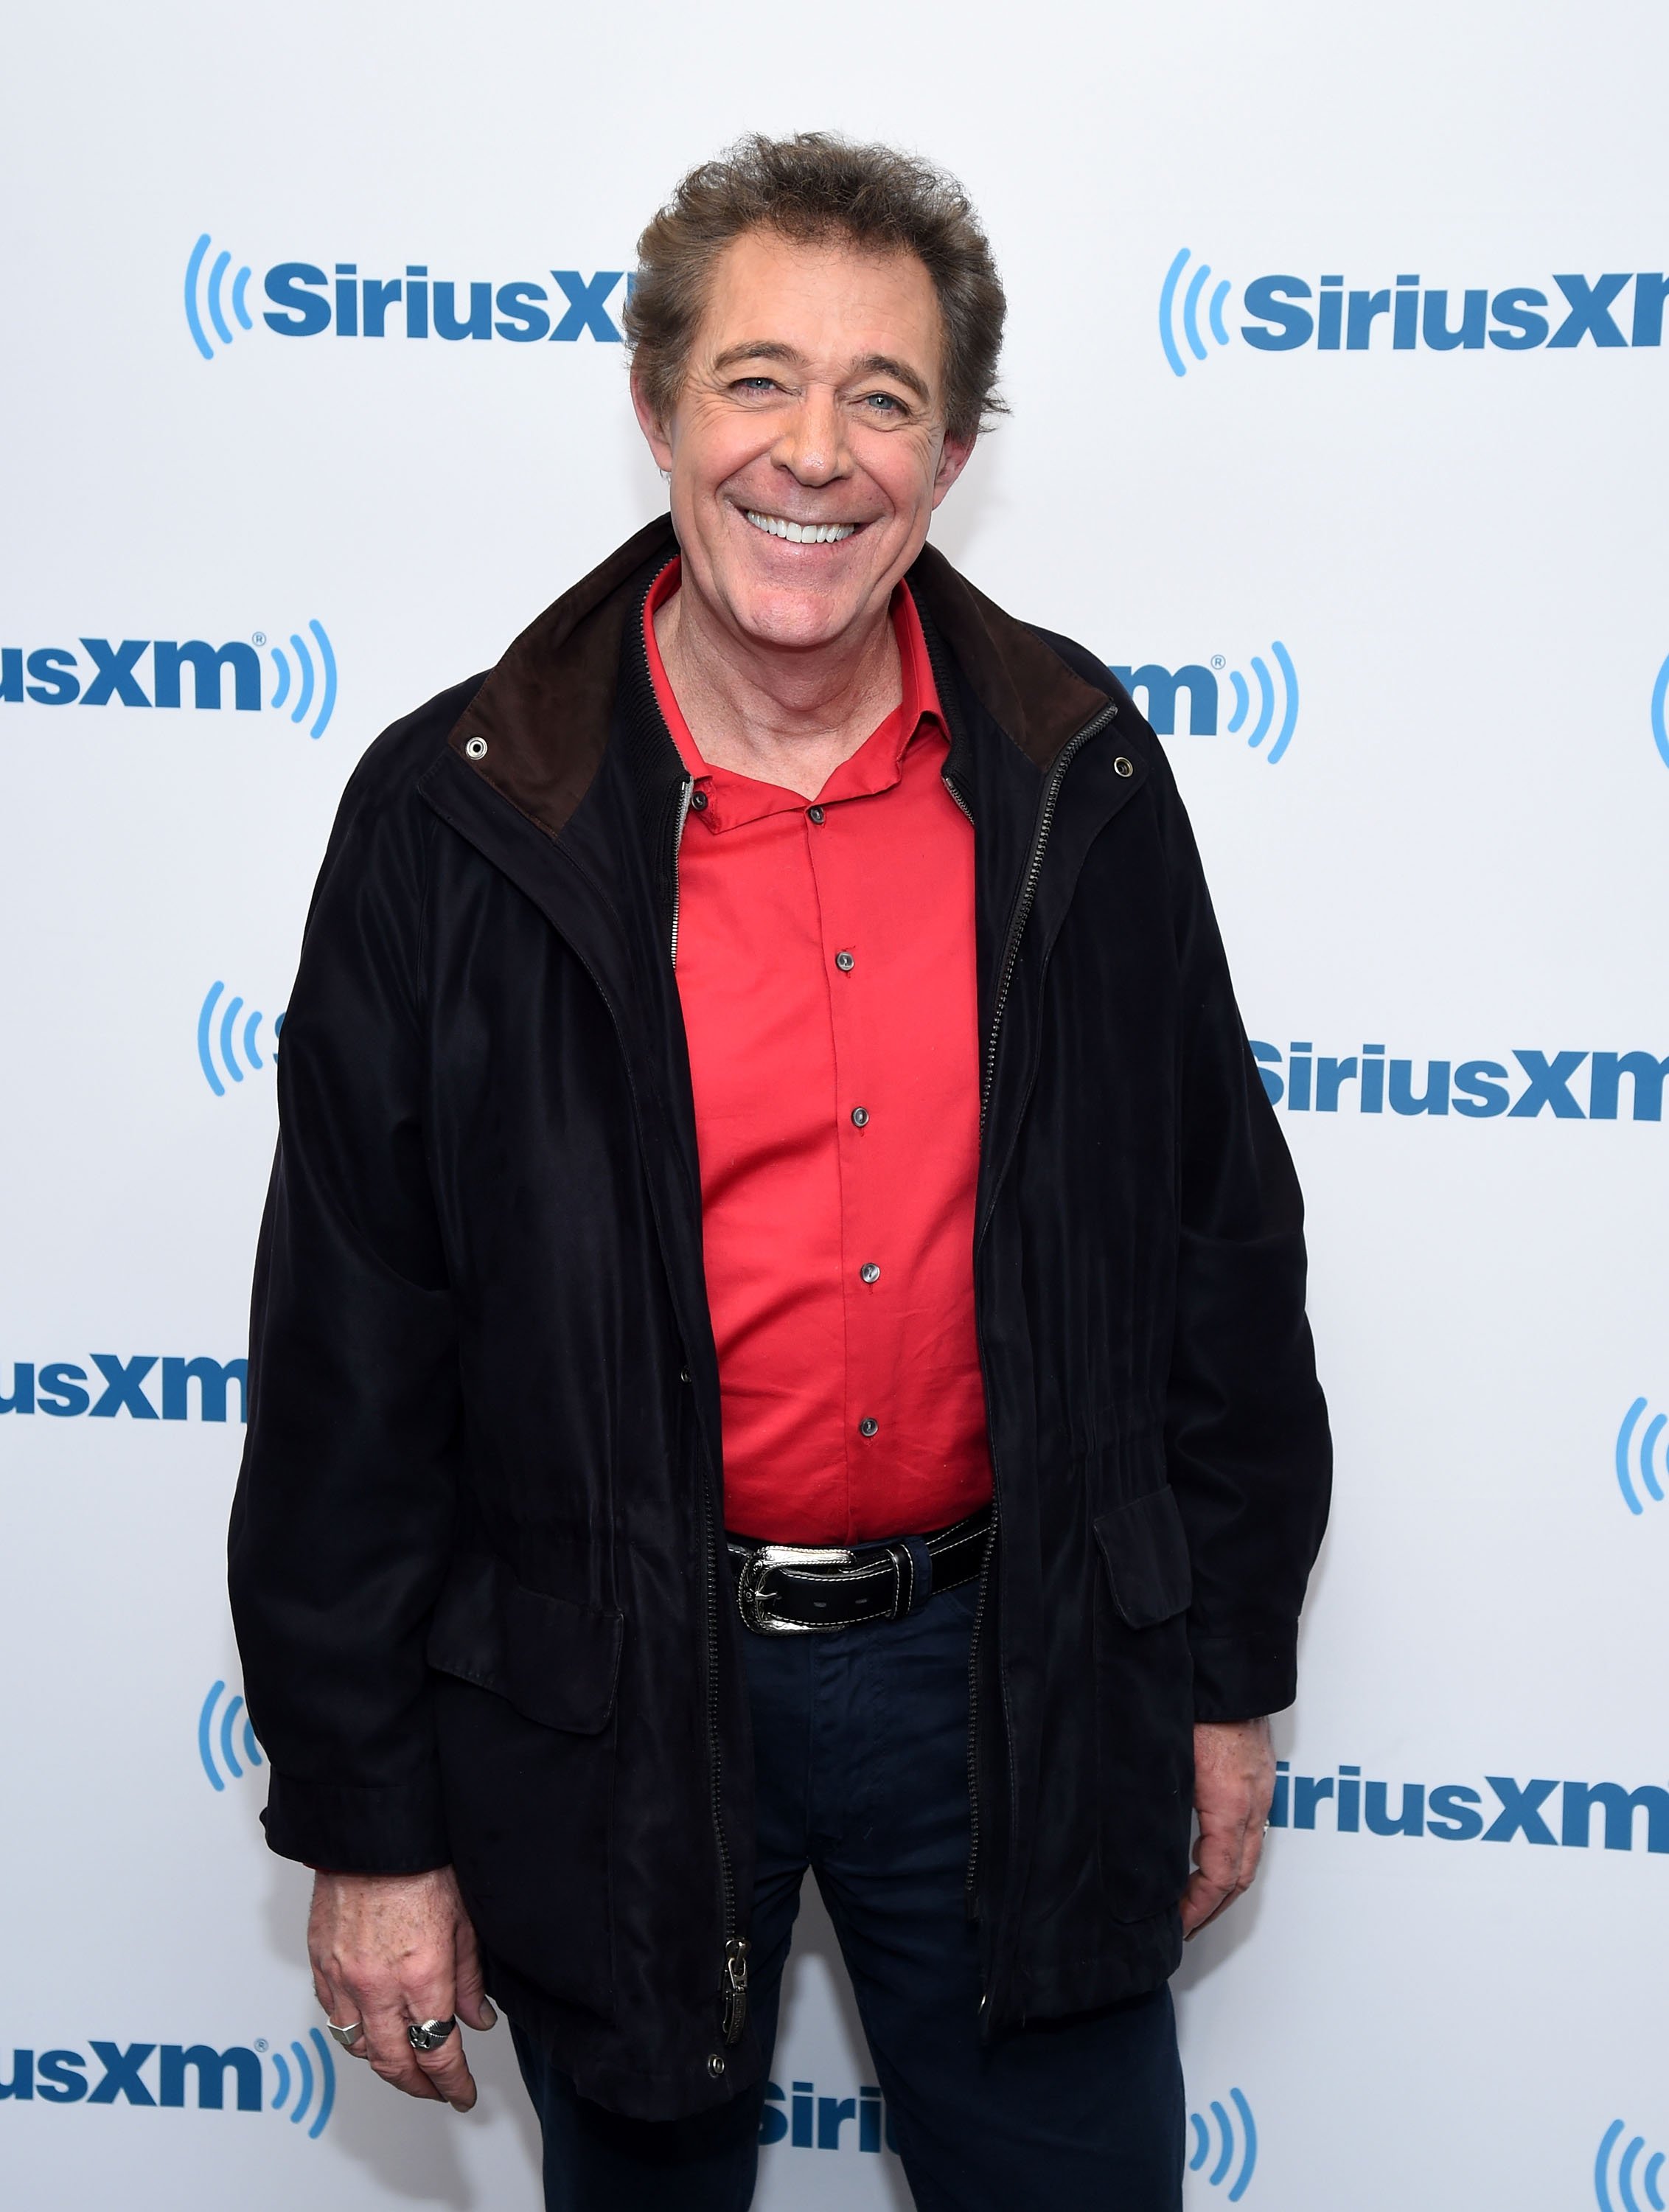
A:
(779, 1333)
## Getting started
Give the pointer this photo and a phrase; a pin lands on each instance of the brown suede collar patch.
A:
(537, 729)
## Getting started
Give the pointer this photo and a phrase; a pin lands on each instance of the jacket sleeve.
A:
(1248, 1443)
(343, 1519)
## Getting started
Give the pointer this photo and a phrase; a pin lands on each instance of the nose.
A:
(812, 445)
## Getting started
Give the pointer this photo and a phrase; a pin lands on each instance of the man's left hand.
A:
(1234, 1783)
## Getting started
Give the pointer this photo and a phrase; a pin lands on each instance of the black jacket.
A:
(475, 1551)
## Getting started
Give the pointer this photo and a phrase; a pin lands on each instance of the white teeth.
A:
(800, 533)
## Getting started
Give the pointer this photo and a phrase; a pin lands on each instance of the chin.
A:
(796, 615)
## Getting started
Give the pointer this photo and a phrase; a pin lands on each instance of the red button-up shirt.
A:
(826, 970)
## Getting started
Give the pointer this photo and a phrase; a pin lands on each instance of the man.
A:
(779, 1332)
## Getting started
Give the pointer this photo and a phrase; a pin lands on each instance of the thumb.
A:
(475, 2007)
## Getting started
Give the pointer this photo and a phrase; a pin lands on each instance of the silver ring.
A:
(348, 2036)
(430, 2034)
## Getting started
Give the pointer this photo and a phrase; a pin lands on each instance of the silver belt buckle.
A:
(751, 1584)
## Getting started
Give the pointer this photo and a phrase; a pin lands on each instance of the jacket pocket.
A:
(1146, 1556)
(525, 1725)
(557, 1662)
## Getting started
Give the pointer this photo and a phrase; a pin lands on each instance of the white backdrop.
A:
(1443, 571)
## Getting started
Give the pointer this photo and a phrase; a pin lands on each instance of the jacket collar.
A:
(538, 729)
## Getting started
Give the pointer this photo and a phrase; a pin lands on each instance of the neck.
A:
(783, 717)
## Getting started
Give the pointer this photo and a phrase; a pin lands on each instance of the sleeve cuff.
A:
(399, 1828)
(1242, 1678)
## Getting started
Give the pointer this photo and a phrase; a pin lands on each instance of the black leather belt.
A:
(797, 1589)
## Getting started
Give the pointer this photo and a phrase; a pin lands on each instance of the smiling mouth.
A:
(800, 533)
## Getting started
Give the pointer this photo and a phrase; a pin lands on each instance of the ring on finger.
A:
(425, 2035)
(347, 2035)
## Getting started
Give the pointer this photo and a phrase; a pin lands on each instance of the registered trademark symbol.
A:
(260, 2043)
(1217, 661)
(258, 637)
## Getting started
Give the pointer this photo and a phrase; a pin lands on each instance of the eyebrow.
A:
(871, 364)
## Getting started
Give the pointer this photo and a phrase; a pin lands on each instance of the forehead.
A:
(830, 302)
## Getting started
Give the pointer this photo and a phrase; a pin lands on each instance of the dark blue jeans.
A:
(860, 1740)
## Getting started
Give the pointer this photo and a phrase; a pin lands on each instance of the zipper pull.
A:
(736, 1987)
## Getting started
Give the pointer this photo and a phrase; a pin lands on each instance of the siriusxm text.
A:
(307, 300)
(1401, 315)
(104, 674)
(1569, 1086)
(805, 2121)
(1573, 1814)
(64, 1387)
(117, 2073)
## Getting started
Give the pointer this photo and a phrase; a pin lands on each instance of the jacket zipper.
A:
(733, 1980)
(1022, 908)
(686, 794)
(734, 1985)
(1028, 891)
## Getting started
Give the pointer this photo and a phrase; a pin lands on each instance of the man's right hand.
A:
(388, 1949)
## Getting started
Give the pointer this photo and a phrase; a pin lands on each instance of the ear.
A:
(954, 457)
(654, 430)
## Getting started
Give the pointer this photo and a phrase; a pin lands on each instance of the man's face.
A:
(813, 402)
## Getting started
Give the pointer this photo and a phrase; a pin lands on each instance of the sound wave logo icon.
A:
(1636, 1457)
(1625, 2199)
(1235, 2136)
(305, 2071)
(220, 1043)
(1190, 316)
(209, 296)
(217, 1729)
(1660, 700)
(305, 684)
(1267, 696)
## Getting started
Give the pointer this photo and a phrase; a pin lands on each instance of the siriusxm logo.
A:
(1477, 1090)
(303, 2086)
(1623, 2174)
(217, 1725)
(220, 1036)
(307, 300)
(1232, 2145)
(58, 679)
(1456, 1813)
(1276, 696)
(57, 1389)
(1285, 312)
(1635, 1456)
(805, 2121)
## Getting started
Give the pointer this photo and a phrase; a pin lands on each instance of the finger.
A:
(448, 2069)
(390, 2050)
(1202, 1900)
(1241, 1847)
(433, 1995)
(1217, 1855)
(1252, 1853)
(1227, 1865)
(475, 2007)
(1216, 1912)
(338, 2007)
